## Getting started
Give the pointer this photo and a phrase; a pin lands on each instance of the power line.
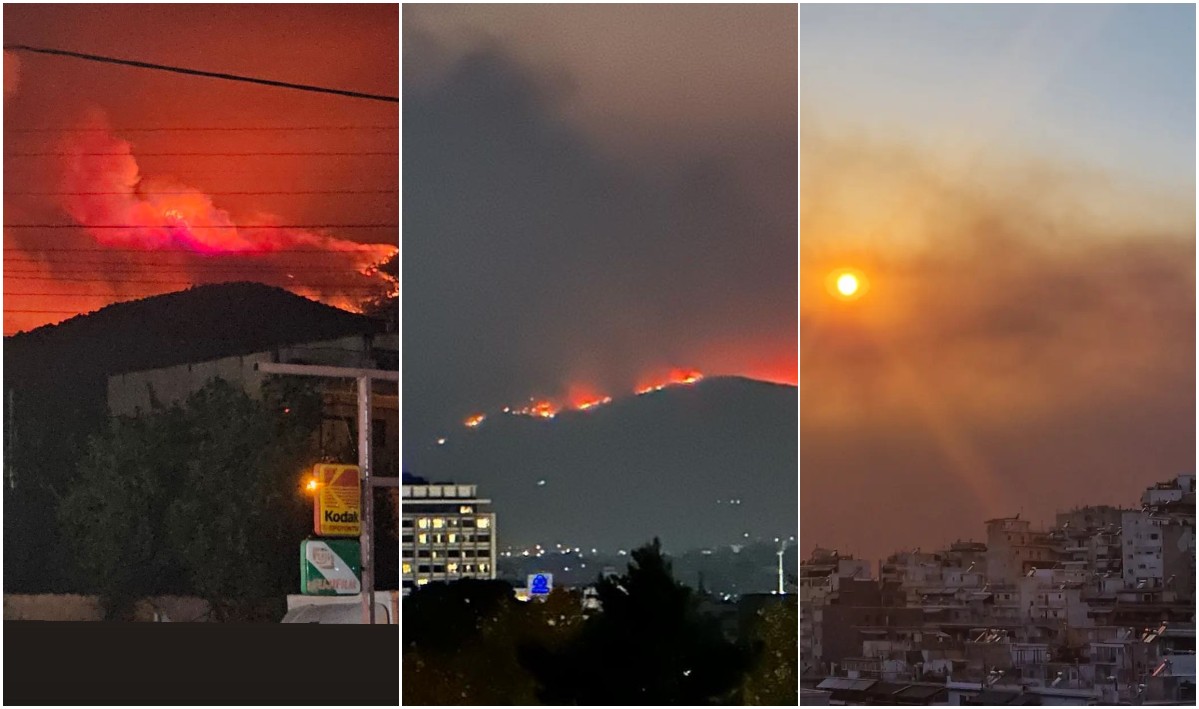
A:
(304, 284)
(197, 72)
(209, 226)
(192, 192)
(188, 129)
(143, 294)
(253, 154)
(47, 312)
(83, 267)
(105, 250)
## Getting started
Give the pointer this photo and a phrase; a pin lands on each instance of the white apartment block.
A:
(447, 533)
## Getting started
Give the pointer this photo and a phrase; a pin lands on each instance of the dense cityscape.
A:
(1098, 608)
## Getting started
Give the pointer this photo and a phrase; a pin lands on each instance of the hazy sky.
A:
(591, 194)
(59, 113)
(1017, 183)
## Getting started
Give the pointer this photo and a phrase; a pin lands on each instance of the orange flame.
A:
(474, 421)
(584, 406)
(538, 409)
(676, 377)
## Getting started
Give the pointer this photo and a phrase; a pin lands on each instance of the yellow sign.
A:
(337, 504)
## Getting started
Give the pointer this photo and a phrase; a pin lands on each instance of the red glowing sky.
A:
(207, 170)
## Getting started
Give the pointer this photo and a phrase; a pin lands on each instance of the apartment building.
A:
(447, 533)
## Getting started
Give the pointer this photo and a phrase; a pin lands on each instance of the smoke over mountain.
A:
(542, 260)
(105, 192)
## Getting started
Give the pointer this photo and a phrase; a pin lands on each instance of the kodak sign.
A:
(337, 504)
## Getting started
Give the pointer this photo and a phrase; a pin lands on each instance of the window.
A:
(1153, 536)
(452, 567)
(422, 582)
(483, 522)
(407, 568)
(466, 510)
(453, 538)
(483, 567)
(438, 523)
(422, 538)
(423, 522)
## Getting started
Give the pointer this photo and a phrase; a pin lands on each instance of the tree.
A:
(202, 497)
(774, 678)
(461, 641)
(649, 645)
(112, 517)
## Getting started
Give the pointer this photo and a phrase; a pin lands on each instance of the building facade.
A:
(131, 393)
(447, 532)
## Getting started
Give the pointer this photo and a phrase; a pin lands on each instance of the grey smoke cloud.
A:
(535, 258)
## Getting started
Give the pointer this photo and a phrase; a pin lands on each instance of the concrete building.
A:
(1013, 548)
(447, 532)
(1097, 609)
(820, 579)
(132, 392)
(1159, 539)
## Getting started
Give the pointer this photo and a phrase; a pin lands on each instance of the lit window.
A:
(483, 567)
(434, 555)
(452, 567)
(438, 523)
(483, 523)
(453, 537)
(465, 509)
(423, 522)
(407, 568)
(422, 582)
(422, 538)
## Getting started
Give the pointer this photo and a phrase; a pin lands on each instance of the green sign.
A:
(330, 567)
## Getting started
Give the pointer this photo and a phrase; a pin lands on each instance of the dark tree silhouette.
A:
(200, 497)
(649, 645)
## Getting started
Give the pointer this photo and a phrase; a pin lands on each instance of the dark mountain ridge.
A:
(73, 359)
(699, 466)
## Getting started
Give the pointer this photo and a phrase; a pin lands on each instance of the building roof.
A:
(844, 684)
(916, 692)
(66, 366)
(992, 697)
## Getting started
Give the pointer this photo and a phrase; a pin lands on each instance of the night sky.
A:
(1017, 185)
(64, 110)
(594, 196)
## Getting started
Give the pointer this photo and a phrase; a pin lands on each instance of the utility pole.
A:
(366, 535)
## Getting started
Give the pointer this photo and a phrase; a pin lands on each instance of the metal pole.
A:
(780, 554)
(368, 500)
(364, 377)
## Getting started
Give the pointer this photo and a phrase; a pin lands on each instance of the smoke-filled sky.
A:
(90, 146)
(1016, 185)
(593, 196)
